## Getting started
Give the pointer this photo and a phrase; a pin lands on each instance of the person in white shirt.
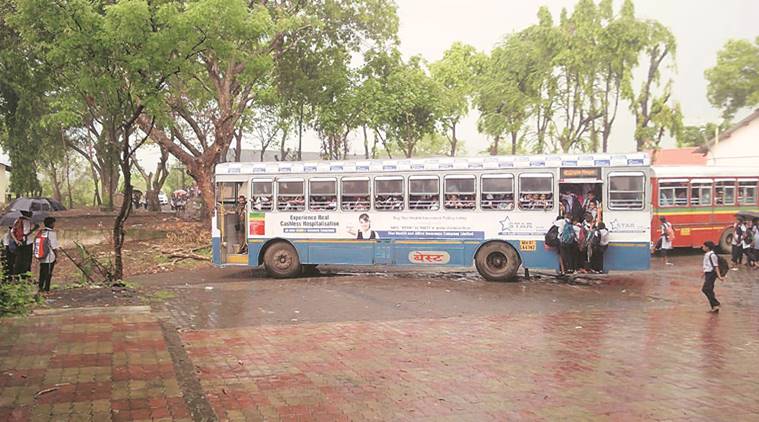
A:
(711, 274)
(739, 229)
(47, 263)
(21, 234)
(666, 241)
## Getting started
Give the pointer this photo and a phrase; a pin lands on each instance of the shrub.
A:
(17, 295)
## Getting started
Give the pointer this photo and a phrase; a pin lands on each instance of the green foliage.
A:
(694, 136)
(18, 295)
(734, 80)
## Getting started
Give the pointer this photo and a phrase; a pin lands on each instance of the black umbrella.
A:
(10, 217)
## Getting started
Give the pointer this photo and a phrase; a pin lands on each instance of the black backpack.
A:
(722, 264)
(552, 237)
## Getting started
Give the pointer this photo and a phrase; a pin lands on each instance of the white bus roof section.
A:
(703, 171)
(436, 164)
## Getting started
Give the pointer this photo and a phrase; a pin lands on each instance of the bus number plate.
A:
(685, 232)
(528, 245)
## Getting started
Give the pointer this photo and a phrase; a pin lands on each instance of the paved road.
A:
(403, 345)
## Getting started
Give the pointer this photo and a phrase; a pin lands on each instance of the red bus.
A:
(701, 201)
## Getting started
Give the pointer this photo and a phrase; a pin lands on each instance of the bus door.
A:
(582, 183)
(232, 215)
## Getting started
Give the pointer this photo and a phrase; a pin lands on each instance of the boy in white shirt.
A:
(47, 263)
(711, 273)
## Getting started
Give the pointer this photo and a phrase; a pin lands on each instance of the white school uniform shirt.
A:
(666, 243)
(604, 237)
(736, 241)
(746, 243)
(711, 263)
(27, 229)
(756, 237)
(52, 242)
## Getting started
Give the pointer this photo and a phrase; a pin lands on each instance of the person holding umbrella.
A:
(20, 234)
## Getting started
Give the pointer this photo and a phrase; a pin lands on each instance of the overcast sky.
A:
(429, 27)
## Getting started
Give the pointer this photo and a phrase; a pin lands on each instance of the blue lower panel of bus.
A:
(216, 250)
(619, 256)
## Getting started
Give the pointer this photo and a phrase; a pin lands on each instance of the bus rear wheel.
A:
(497, 261)
(726, 241)
(281, 260)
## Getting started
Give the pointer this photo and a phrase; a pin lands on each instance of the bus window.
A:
(322, 194)
(423, 193)
(535, 191)
(626, 191)
(700, 192)
(261, 194)
(725, 192)
(290, 195)
(388, 193)
(355, 194)
(747, 192)
(459, 192)
(673, 193)
(497, 192)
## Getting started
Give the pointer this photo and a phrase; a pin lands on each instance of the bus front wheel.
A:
(497, 261)
(281, 260)
(726, 241)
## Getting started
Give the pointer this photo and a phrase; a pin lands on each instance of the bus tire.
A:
(726, 241)
(497, 261)
(281, 260)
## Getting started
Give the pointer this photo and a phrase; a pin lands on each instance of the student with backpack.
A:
(755, 244)
(568, 233)
(599, 242)
(667, 236)
(20, 235)
(737, 251)
(45, 247)
(714, 267)
(747, 242)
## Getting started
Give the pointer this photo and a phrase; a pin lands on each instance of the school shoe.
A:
(715, 309)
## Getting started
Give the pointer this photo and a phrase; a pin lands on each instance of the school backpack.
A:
(670, 231)
(582, 238)
(568, 234)
(41, 245)
(594, 239)
(724, 267)
(552, 237)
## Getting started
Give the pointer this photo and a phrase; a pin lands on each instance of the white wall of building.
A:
(741, 149)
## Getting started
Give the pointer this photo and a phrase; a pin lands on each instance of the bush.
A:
(17, 296)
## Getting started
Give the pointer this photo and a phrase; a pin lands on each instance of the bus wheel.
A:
(726, 241)
(497, 261)
(281, 260)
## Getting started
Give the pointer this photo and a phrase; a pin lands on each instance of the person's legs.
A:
(23, 259)
(49, 278)
(736, 254)
(708, 288)
(44, 271)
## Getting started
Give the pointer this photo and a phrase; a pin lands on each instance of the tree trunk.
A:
(238, 146)
(126, 207)
(514, 141)
(454, 140)
(494, 149)
(300, 133)
(67, 165)
(366, 143)
(97, 201)
(55, 181)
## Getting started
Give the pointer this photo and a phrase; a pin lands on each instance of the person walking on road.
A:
(739, 229)
(667, 236)
(711, 274)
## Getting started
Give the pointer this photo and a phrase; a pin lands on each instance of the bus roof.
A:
(432, 164)
(704, 171)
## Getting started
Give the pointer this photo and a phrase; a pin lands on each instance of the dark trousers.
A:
(23, 259)
(597, 260)
(569, 254)
(737, 255)
(46, 276)
(708, 288)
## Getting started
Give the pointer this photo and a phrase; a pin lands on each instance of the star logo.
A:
(614, 225)
(505, 224)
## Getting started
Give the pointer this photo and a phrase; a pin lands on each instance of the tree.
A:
(242, 44)
(695, 136)
(154, 180)
(734, 80)
(456, 73)
(656, 114)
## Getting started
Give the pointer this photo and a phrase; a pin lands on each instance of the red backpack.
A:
(41, 245)
(18, 230)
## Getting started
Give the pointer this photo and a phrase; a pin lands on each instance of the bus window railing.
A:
(388, 202)
(497, 201)
(323, 203)
(459, 201)
(290, 203)
(355, 203)
(262, 203)
(423, 202)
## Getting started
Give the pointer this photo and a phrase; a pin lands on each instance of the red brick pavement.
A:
(99, 365)
(664, 364)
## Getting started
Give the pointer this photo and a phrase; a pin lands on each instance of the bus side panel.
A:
(254, 250)
(627, 257)
(346, 253)
(541, 257)
(456, 251)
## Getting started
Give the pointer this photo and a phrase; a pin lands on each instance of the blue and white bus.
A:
(490, 212)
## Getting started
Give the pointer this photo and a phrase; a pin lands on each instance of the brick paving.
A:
(95, 364)
(671, 363)
(634, 347)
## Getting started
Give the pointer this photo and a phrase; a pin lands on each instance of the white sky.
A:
(429, 27)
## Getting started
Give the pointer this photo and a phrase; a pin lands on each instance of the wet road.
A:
(404, 345)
